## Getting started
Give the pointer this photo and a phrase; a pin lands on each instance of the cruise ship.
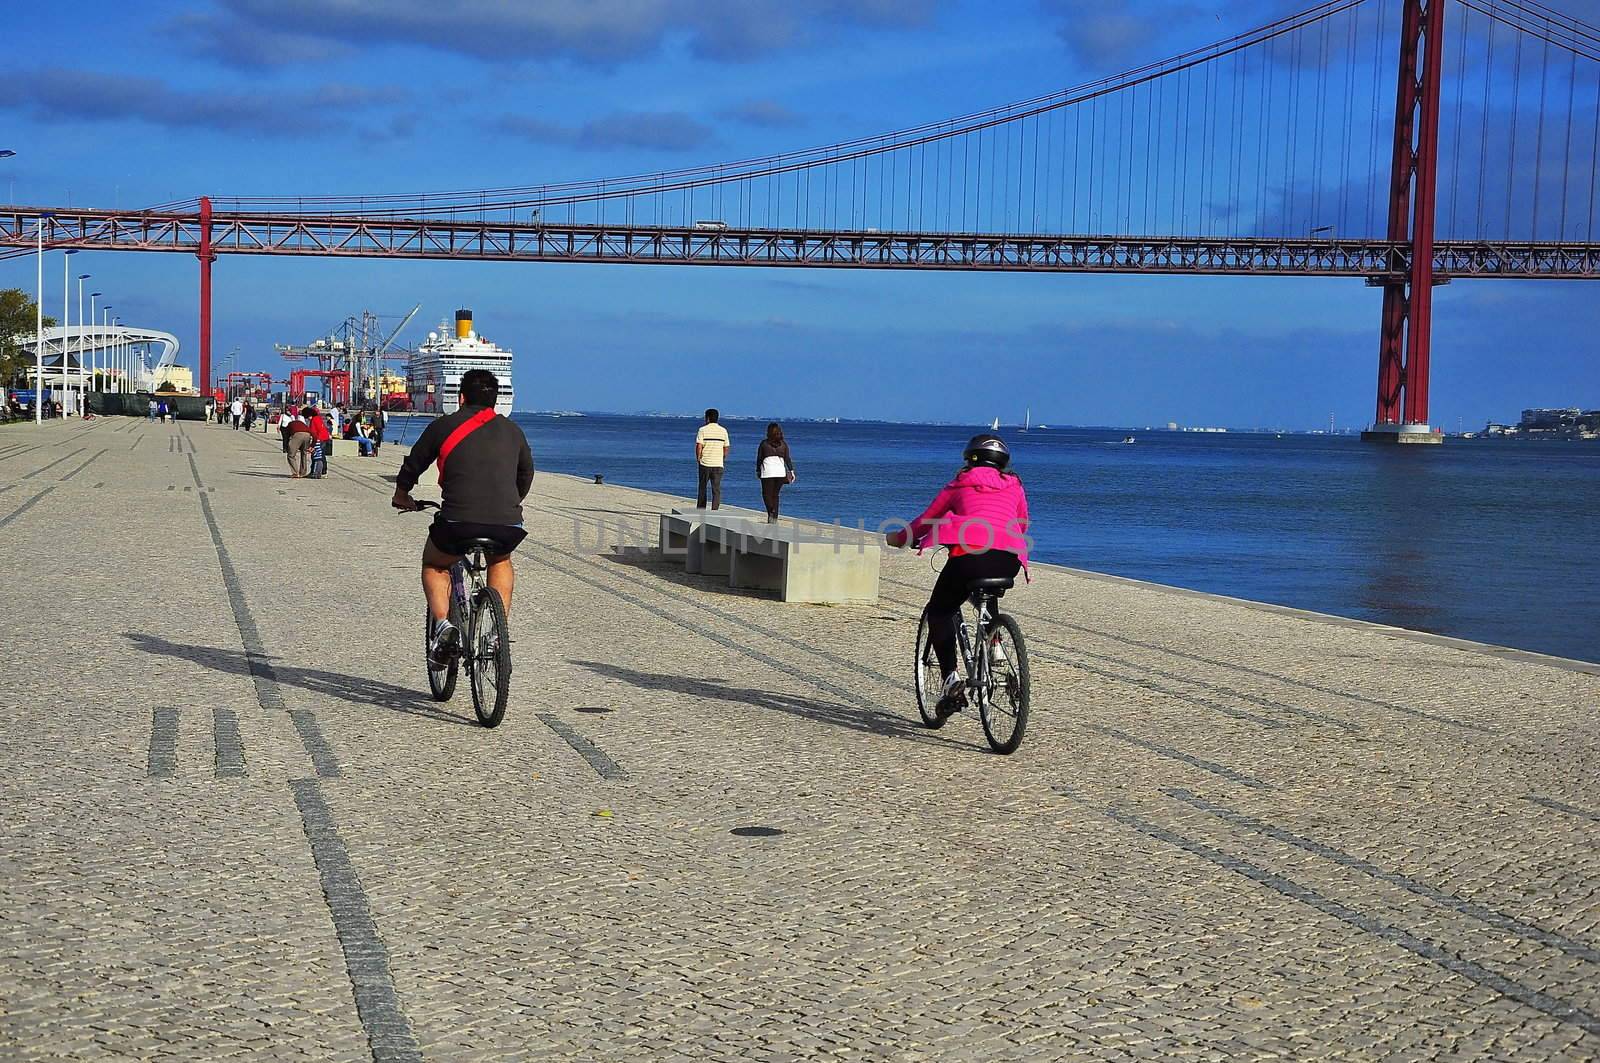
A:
(438, 364)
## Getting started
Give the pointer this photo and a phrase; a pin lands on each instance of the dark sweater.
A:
(485, 477)
(769, 449)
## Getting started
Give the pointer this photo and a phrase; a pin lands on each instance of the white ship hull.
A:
(438, 365)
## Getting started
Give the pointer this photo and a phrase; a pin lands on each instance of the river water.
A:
(1482, 539)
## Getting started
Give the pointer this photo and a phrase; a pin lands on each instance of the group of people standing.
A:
(243, 412)
(308, 435)
(774, 465)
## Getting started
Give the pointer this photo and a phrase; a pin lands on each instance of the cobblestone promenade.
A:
(235, 825)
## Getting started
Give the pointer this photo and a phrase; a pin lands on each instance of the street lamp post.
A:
(100, 331)
(134, 379)
(82, 344)
(94, 321)
(38, 339)
(66, 319)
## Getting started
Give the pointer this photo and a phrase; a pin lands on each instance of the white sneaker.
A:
(954, 697)
(442, 647)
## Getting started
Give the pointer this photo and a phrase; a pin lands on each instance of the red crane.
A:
(337, 389)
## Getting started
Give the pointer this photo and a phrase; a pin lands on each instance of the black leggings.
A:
(951, 590)
(770, 486)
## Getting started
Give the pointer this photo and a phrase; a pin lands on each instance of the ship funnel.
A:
(463, 324)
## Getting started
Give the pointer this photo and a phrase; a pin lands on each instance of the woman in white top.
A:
(774, 468)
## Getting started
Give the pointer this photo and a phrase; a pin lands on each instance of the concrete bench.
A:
(802, 561)
(680, 539)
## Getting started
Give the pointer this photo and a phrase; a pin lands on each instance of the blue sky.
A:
(161, 101)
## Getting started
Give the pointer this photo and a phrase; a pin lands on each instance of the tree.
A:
(18, 325)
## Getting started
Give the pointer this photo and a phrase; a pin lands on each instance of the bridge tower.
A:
(206, 256)
(1403, 345)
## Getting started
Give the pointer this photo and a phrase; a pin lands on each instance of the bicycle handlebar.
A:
(422, 504)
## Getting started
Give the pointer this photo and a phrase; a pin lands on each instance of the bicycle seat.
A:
(1001, 583)
(488, 546)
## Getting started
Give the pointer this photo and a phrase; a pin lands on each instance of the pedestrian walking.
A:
(152, 410)
(711, 446)
(774, 468)
(161, 411)
(249, 416)
(285, 419)
(236, 410)
(298, 443)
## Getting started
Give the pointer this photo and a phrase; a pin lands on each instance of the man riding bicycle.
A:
(485, 470)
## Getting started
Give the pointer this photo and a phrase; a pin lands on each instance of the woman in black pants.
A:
(774, 468)
(982, 517)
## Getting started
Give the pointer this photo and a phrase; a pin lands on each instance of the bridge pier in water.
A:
(1406, 331)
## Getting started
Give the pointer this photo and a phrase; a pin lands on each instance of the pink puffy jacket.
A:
(981, 509)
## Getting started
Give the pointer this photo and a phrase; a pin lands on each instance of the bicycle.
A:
(485, 641)
(996, 677)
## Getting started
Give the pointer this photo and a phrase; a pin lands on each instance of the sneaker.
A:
(442, 648)
(954, 698)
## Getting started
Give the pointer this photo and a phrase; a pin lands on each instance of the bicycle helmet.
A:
(987, 449)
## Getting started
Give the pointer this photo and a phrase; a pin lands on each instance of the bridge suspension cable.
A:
(1275, 134)
(918, 177)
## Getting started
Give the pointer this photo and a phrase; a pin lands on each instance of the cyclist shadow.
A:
(871, 721)
(348, 688)
(670, 570)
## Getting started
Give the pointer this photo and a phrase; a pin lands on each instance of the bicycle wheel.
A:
(441, 681)
(1004, 711)
(489, 670)
(929, 683)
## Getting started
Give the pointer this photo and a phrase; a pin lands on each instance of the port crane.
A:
(349, 358)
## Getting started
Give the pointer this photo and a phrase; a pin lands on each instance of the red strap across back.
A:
(463, 430)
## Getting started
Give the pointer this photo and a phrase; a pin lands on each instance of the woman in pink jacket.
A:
(982, 516)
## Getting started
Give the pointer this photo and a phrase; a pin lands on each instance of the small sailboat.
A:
(1027, 420)
(995, 427)
(1129, 439)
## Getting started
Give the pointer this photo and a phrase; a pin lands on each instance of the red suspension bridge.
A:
(1275, 152)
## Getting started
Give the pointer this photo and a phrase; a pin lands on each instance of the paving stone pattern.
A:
(711, 826)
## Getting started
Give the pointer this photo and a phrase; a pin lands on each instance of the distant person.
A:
(774, 468)
(982, 516)
(152, 410)
(285, 418)
(161, 411)
(363, 438)
(249, 416)
(297, 443)
(711, 446)
(236, 411)
(336, 419)
(380, 421)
